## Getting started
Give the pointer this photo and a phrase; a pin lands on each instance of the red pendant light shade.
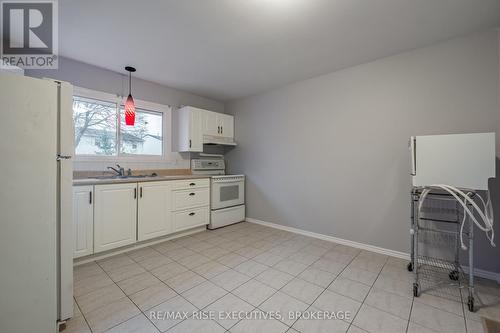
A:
(130, 111)
(129, 103)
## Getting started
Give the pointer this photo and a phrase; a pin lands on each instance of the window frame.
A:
(165, 110)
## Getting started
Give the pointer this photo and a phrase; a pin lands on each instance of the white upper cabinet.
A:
(187, 130)
(154, 216)
(210, 123)
(191, 124)
(217, 124)
(195, 132)
(225, 123)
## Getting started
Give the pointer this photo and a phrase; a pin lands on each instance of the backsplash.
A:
(179, 162)
(135, 172)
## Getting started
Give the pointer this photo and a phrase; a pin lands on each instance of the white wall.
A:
(330, 155)
(96, 78)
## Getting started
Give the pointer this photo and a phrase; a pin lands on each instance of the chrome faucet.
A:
(119, 172)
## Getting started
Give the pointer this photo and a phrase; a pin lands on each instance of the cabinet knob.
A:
(192, 193)
(191, 214)
(192, 184)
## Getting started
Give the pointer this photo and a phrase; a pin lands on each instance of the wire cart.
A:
(434, 272)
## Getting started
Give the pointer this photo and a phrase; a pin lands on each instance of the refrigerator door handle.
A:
(62, 157)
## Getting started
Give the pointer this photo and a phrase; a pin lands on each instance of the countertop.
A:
(99, 181)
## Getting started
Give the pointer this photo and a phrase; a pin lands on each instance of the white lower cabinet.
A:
(83, 220)
(154, 216)
(190, 204)
(191, 218)
(115, 216)
(183, 199)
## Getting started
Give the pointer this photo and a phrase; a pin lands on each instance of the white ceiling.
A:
(228, 49)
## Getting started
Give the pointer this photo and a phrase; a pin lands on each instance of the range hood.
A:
(217, 140)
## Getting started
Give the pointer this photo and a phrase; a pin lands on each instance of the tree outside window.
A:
(97, 132)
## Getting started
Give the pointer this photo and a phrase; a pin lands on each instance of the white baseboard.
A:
(397, 254)
(483, 274)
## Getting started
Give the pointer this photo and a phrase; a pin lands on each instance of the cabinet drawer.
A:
(191, 183)
(190, 218)
(183, 199)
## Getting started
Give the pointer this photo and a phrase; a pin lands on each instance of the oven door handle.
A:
(229, 181)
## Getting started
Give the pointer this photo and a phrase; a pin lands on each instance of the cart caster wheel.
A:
(470, 304)
(453, 275)
(415, 289)
(410, 267)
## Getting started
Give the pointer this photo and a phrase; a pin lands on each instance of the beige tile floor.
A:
(251, 268)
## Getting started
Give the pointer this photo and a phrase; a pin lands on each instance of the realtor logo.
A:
(29, 34)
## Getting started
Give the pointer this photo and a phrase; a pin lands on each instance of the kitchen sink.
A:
(124, 177)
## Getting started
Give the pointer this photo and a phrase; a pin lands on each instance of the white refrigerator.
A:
(36, 145)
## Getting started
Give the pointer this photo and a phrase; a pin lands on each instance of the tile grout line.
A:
(122, 297)
(142, 312)
(463, 310)
(253, 278)
(276, 240)
(180, 246)
(173, 260)
(84, 318)
(409, 316)
(127, 296)
(369, 290)
(324, 288)
(295, 277)
(178, 294)
(350, 323)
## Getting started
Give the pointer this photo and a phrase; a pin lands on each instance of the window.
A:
(145, 137)
(95, 127)
(100, 128)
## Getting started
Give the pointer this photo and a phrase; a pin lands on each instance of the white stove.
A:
(227, 192)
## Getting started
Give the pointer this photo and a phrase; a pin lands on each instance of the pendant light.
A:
(129, 103)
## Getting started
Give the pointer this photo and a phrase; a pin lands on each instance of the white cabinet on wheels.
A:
(115, 216)
(154, 216)
(83, 220)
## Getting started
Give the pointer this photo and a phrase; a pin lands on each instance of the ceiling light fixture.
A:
(129, 103)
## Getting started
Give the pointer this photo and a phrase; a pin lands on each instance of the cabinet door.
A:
(195, 130)
(154, 216)
(210, 124)
(115, 219)
(226, 123)
(83, 220)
